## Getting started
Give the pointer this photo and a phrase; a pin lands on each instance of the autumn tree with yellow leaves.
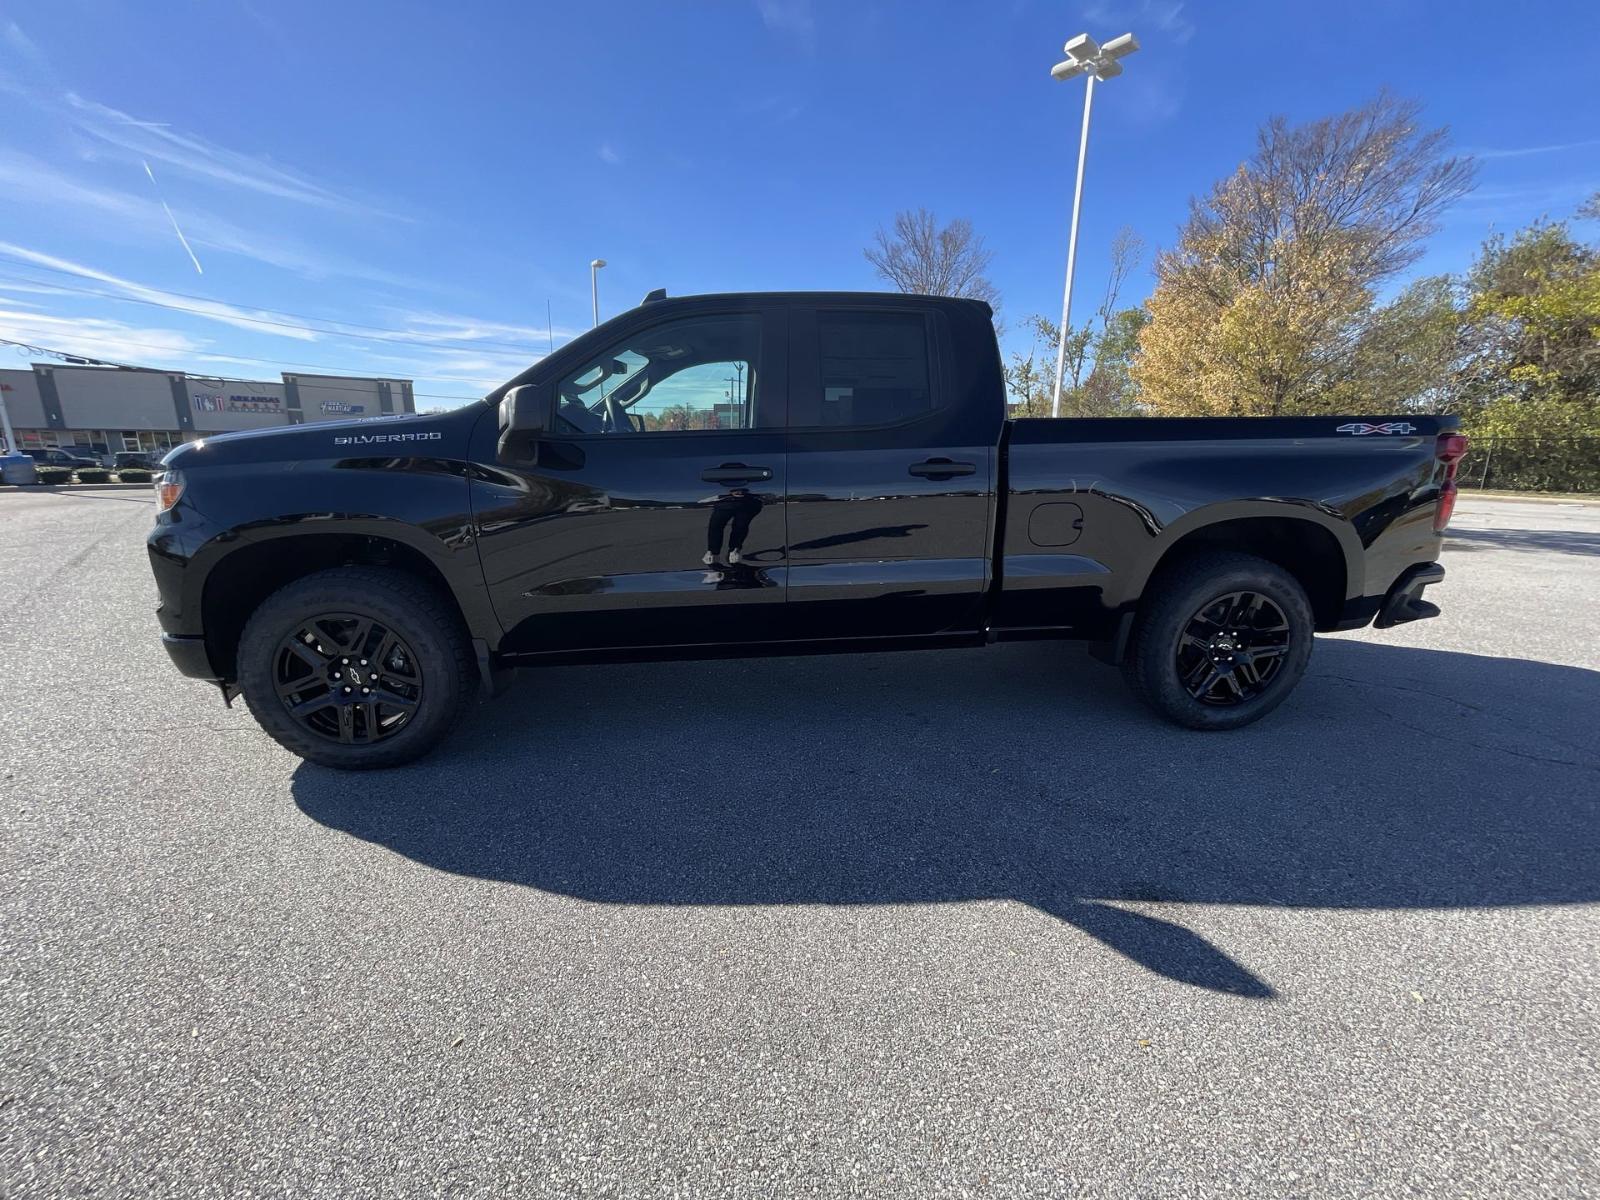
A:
(1268, 304)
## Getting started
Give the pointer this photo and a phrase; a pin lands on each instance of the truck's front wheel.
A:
(356, 667)
(1220, 642)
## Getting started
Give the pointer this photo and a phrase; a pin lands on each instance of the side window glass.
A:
(689, 375)
(874, 367)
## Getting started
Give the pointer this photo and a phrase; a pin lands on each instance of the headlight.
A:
(169, 486)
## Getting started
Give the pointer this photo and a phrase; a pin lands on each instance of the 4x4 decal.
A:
(1361, 427)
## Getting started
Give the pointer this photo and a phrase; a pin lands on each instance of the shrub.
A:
(53, 475)
(93, 475)
(133, 475)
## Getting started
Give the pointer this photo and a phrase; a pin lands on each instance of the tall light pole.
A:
(5, 420)
(1088, 58)
(594, 287)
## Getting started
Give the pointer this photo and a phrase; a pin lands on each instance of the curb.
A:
(74, 487)
(1531, 497)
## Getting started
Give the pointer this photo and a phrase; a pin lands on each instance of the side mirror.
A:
(524, 416)
(526, 409)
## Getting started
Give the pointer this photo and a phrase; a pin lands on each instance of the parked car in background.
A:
(135, 460)
(61, 458)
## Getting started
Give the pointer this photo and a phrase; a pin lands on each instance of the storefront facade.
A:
(102, 411)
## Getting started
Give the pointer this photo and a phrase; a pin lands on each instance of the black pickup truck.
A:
(776, 473)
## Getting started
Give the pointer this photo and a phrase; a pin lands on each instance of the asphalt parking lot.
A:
(954, 923)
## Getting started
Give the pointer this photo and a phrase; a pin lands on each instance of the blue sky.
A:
(432, 175)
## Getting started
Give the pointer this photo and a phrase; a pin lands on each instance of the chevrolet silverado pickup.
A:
(781, 473)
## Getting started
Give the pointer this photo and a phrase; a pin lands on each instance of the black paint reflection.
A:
(731, 515)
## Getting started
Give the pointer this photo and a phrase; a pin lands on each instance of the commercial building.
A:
(100, 411)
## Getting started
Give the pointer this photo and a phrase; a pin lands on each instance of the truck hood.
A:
(442, 435)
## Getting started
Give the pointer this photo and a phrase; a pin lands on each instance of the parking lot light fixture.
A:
(1088, 58)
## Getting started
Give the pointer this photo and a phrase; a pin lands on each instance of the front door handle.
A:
(736, 473)
(941, 468)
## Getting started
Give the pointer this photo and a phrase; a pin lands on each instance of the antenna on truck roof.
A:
(652, 297)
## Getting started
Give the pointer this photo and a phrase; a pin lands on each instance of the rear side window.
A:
(874, 367)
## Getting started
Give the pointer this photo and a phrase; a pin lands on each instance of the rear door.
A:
(891, 474)
(653, 512)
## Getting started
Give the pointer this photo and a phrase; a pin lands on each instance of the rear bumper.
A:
(189, 655)
(1404, 601)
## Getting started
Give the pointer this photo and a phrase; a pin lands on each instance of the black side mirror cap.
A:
(524, 417)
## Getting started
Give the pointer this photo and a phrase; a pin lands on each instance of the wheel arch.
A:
(1319, 549)
(245, 569)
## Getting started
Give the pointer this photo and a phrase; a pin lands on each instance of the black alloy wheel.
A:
(348, 678)
(1219, 639)
(1232, 648)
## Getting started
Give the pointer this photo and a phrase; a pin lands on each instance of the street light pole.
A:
(1072, 249)
(5, 420)
(1088, 58)
(594, 287)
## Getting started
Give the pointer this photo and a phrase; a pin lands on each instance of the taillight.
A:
(1450, 449)
(169, 486)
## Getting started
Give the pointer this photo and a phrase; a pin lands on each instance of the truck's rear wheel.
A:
(1221, 641)
(356, 667)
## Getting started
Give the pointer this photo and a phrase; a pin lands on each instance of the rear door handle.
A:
(736, 473)
(941, 468)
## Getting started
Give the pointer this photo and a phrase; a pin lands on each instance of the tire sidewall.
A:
(431, 642)
(1159, 634)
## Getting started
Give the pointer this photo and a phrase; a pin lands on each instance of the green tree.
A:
(1533, 327)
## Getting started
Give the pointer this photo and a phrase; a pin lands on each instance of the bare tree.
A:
(920, 257)
(1127, 252)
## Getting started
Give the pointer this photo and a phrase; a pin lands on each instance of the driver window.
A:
(689, 375)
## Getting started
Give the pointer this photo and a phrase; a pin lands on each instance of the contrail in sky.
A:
(198, 269)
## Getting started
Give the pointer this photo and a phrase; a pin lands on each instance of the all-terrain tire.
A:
(1175, 598)
(418, 613)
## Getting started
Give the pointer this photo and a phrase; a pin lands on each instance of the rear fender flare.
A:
(1171, 537)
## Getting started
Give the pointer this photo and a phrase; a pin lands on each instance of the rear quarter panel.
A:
(1143, 485)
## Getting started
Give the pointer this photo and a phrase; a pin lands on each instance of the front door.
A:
(654, 511)
(891, 474)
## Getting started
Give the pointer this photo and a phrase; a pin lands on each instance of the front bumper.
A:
(189, 655)
(1404, 601)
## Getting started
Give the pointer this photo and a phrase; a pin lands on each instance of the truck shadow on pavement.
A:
(1394, 778)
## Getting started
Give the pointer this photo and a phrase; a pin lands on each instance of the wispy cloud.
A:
(442, 374)
(97, 337)
(453, 327)
(197, 157)
(28, 181)
(1524, 151)
(1142, 17)
(136, 139)
(20, 43)
(271, 324)
(791, 18)
(608, 154)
